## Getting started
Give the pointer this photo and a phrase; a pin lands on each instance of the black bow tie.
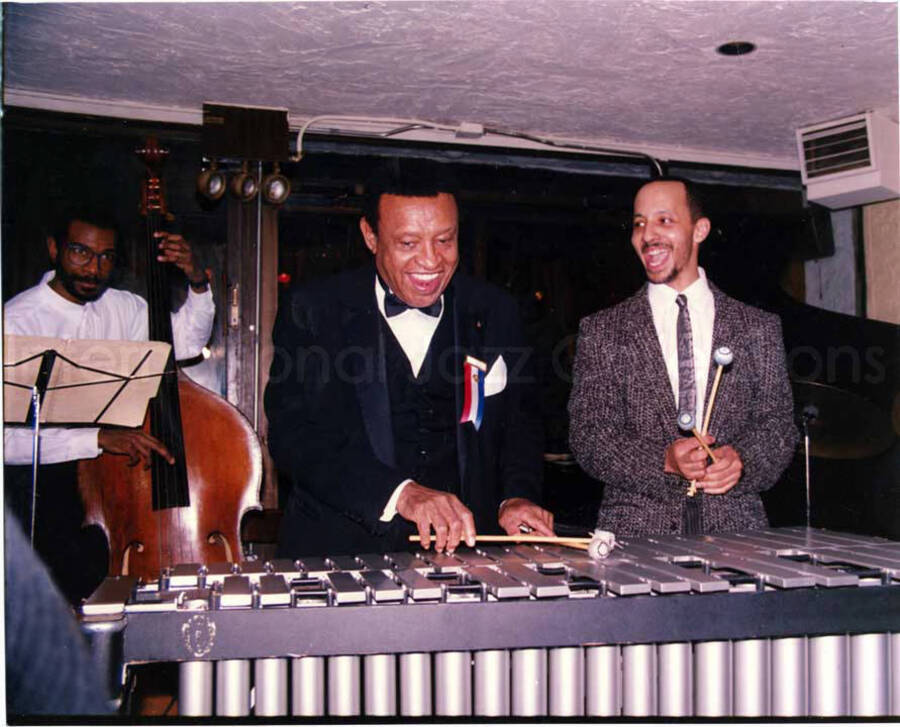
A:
(393, 306)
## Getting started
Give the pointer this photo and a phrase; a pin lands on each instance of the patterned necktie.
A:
(692, 515)
(687, 384)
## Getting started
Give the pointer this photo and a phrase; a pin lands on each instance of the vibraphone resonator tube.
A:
(786, 622)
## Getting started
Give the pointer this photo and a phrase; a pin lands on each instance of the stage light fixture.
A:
(244, 185)
(211, 183)
(275, 187)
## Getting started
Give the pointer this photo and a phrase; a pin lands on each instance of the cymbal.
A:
(846, 426)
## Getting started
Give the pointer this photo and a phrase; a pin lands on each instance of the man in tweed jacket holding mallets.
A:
(643, 365)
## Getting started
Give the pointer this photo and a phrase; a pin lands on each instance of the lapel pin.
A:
(473, 403)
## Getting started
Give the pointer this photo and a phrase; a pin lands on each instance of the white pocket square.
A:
(495, 380)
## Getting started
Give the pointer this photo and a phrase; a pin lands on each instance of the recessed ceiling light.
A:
(736, 48)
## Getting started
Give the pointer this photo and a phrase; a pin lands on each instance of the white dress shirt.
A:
(414, 331)
(115, 315)
(702, 309)
(412, 328)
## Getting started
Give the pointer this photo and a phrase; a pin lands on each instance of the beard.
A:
(70, 282)
(673, 273)
(675, 270)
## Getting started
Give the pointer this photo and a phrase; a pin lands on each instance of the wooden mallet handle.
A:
(723, 356)
(712, 397)
(523, 538)
(686, 424)
(699, 437)
(597, 547)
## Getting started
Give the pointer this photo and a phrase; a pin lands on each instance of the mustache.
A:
(650, 245)
(93, 279)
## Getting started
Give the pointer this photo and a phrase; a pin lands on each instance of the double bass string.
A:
(170, 491)
(170, 485)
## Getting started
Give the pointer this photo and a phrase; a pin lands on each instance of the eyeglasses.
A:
(80, 255)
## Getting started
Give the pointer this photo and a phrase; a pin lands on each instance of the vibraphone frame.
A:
(783, 616)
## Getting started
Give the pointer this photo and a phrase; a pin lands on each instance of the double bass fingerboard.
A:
(170, 482)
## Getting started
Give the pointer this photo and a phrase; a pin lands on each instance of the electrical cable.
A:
(404, 125)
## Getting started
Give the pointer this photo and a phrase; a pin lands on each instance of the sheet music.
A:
(92, 381)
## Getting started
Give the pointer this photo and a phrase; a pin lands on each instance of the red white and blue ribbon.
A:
(473, 404)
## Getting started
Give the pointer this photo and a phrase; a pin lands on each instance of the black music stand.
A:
(59, 381)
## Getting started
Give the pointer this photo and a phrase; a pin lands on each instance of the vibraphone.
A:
(779, 622)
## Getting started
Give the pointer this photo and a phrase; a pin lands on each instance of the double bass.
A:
(189, 512)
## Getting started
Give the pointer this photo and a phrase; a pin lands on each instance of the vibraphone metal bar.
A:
(779, 622)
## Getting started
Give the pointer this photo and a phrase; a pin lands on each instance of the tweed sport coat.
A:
(623, 416)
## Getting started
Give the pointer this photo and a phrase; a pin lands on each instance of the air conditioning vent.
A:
(850, 161)
(836, 148)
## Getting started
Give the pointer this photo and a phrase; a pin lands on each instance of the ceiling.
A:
(640, 74)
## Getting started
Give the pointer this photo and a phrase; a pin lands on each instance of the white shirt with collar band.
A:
(115, 315)
(412, 328)
(702, 309)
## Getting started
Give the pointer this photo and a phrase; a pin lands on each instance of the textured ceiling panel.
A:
(636, 72)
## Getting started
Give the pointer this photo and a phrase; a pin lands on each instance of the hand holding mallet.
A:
(686, 424)
(723, 356)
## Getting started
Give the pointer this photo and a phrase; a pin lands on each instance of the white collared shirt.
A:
(115, 315)
(702, 309)
(413, 329)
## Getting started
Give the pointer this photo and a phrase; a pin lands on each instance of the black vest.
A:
(423, 409)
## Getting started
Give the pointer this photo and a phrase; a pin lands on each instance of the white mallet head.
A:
(686, 421)
(601, 545)
(723, 356)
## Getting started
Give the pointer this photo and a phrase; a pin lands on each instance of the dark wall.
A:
(556, 238)
(50, 162)
(55, 162)
(559, 242)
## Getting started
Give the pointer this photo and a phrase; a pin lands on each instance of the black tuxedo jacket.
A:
(329, 414)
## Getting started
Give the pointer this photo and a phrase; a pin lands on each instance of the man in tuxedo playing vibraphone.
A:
(643, 365)
(397, 399)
